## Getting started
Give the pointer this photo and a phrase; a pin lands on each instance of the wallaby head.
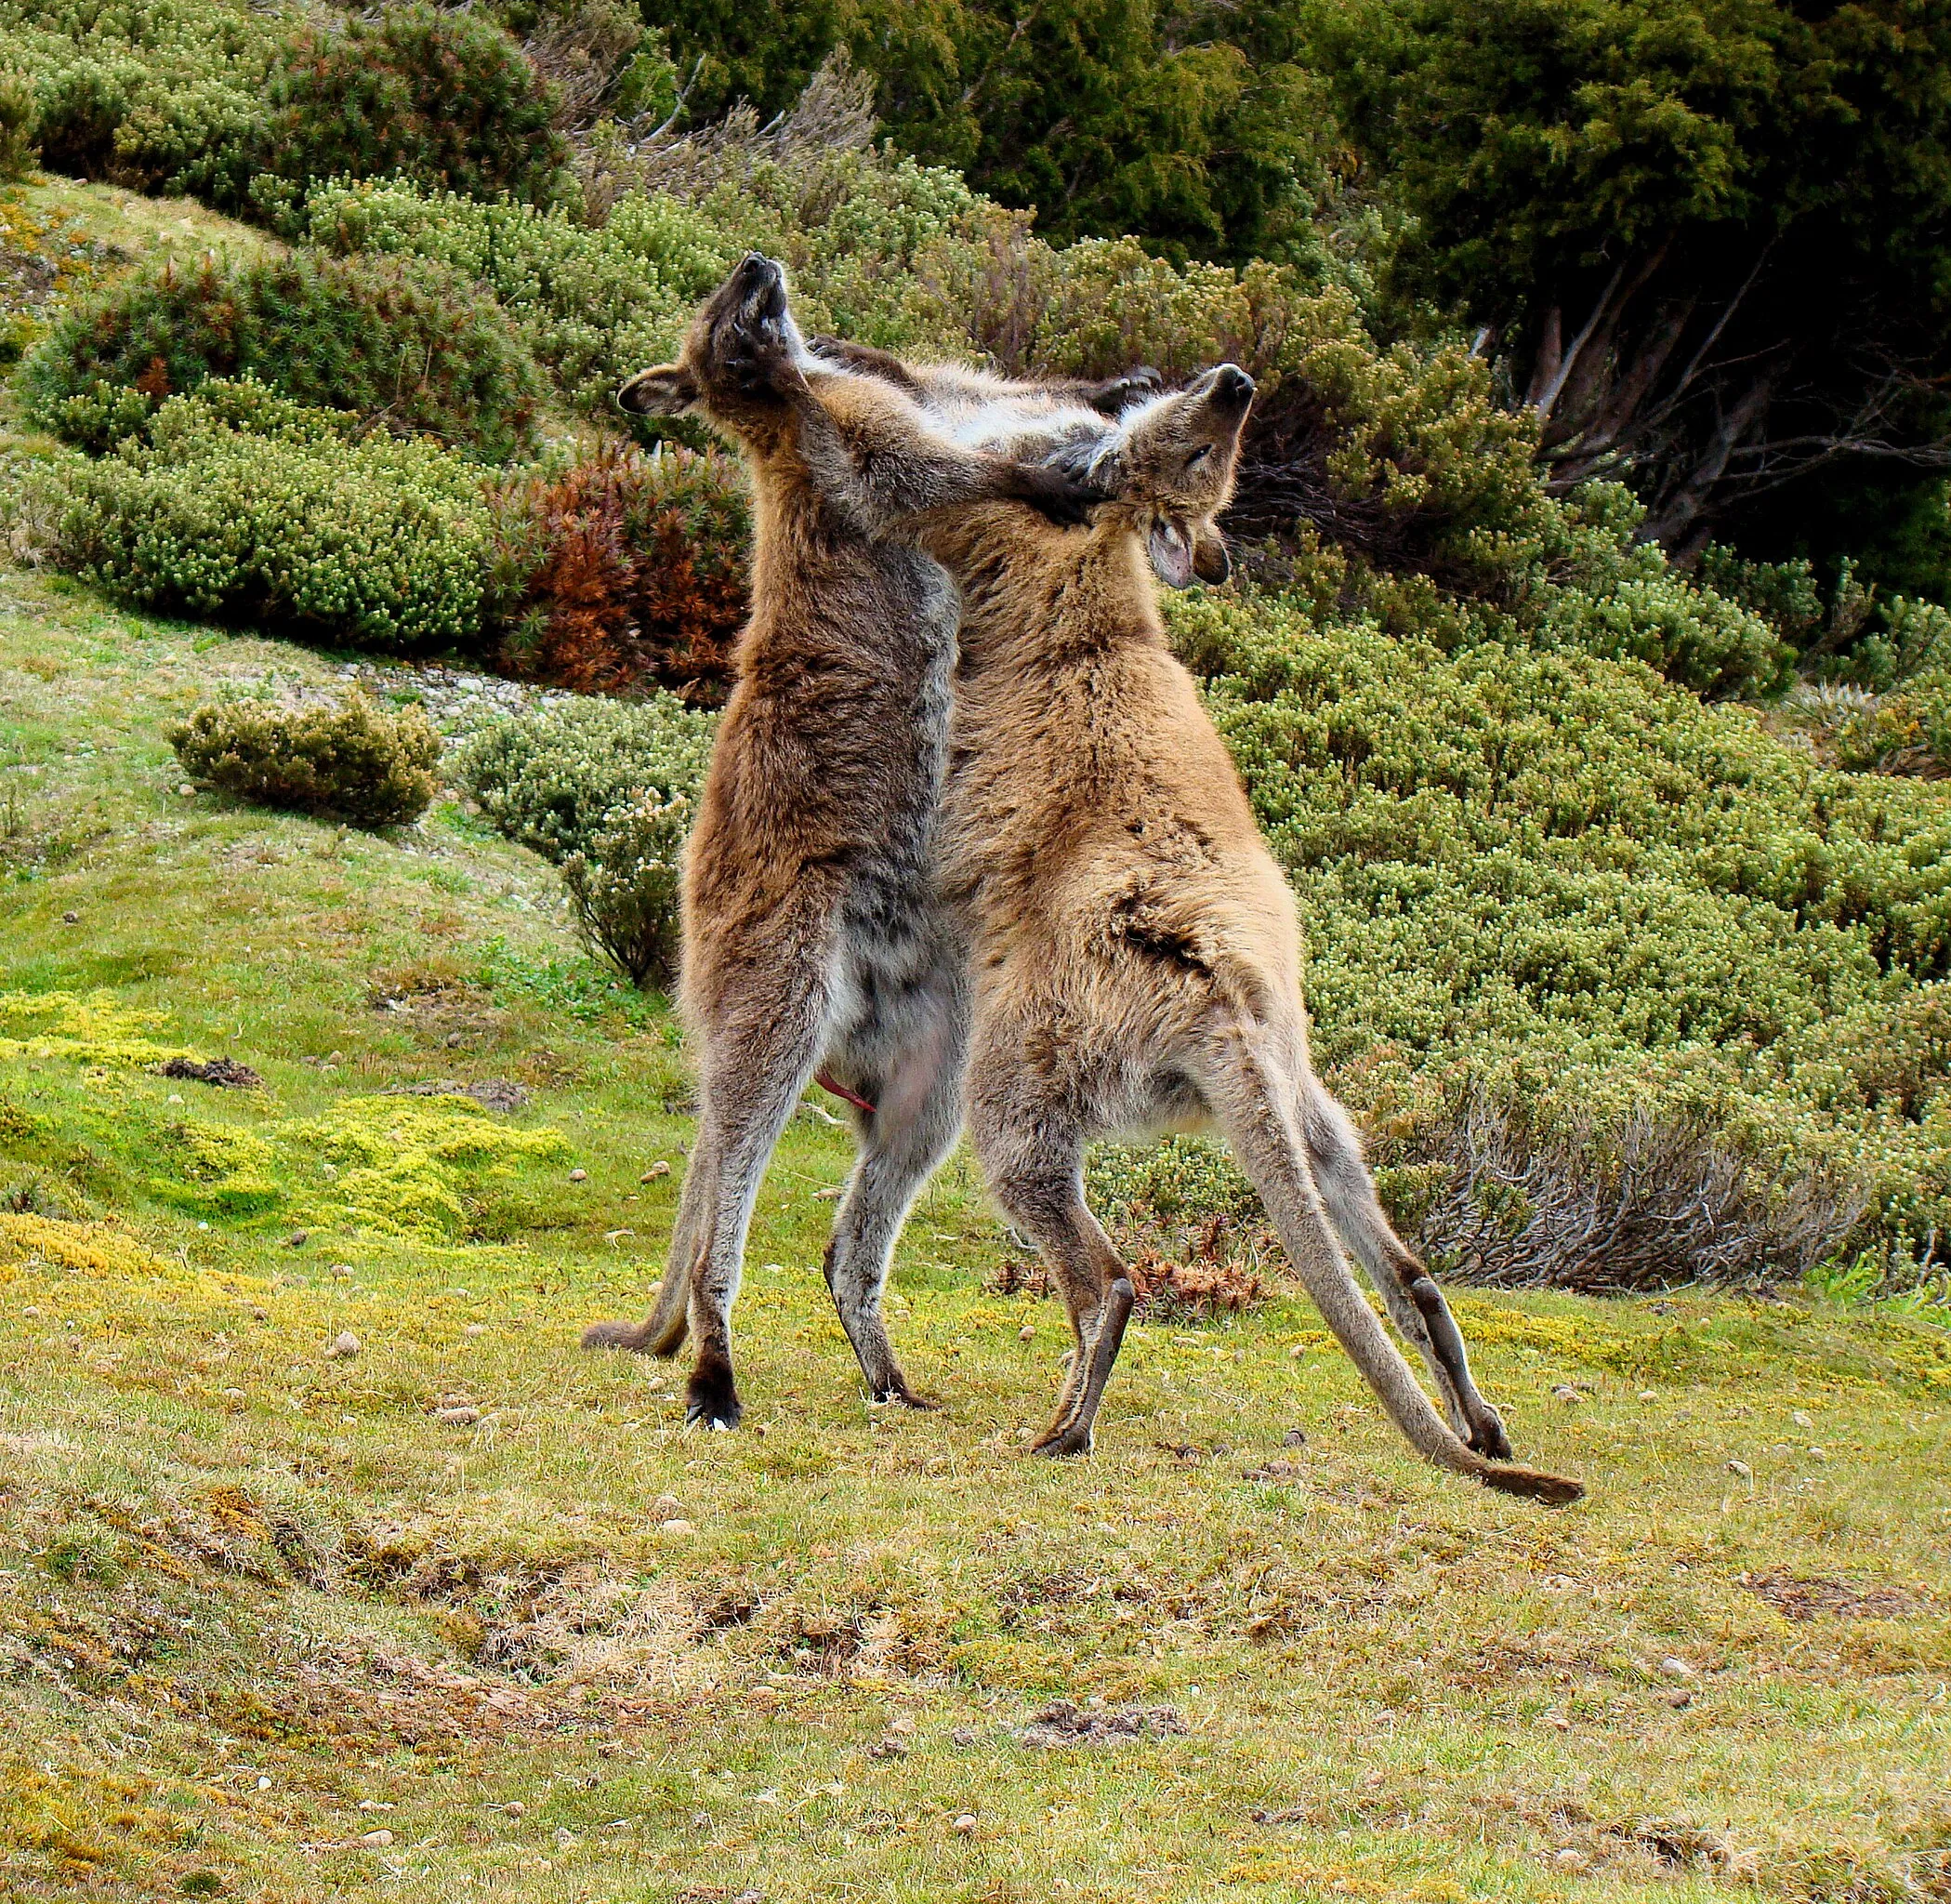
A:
(1169, 468)
(730, 369)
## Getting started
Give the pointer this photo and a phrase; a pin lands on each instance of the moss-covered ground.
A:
(466, 1614)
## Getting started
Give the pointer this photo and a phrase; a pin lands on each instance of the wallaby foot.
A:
(1487, 1435)
(711, 1397)
(1554, 1491)
(901, 1393)
(1076, 1438)
(1071, 1432)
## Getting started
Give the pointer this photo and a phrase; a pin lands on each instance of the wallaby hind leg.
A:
(1252, 1094)
(1407, 1289)
(917, 1111)
(1036, 1169)
(662, 1332)
(751, 1093)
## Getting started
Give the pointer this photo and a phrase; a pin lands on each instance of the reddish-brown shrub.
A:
(626, 570)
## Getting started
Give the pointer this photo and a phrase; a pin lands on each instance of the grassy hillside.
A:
(473, 1590)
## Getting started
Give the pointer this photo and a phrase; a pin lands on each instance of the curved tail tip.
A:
(1554, 1491)
(613, 1335)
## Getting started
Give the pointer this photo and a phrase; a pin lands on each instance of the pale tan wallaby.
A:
(1134, 946)
(812, 935)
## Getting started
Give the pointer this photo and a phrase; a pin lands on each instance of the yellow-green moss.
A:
(96, 1249)
(224, 1172)
(98, 1029)
(404, 1165)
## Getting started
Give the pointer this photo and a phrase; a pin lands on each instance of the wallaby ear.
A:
(669, 391)
(1171, 551)
(1211, 563)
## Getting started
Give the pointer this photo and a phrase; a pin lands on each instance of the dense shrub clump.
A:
(624, 887)
(352, 759)
(162, 95)
(243, 107)
(443, 98)
(237, 501)
(594, 304)
(605, 789)
(1555, 881)
(20, 127)
(406, 346)
(551, 780)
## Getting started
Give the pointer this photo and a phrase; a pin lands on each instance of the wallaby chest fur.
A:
(829, 759)
(1092, 811)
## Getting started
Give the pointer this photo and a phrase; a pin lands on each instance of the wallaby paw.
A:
(711, 1401)
(616, 1335)
(900, 1394)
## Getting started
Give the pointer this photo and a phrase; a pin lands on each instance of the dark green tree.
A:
(1710, 239)
(1189, 125)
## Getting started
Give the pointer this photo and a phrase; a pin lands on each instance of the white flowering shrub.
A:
(552, 780)
(607, 789)
(622, 888)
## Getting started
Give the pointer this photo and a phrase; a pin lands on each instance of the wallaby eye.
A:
(1199, 456)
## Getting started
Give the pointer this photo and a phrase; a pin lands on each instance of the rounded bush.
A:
(624, 887)
(551, 780)
(446, 99)
(353, 760)
(237, 501)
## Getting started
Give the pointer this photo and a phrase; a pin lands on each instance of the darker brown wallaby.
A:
(812, 932)
(1134, 946)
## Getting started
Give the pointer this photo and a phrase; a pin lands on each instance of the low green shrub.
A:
(1908, 731)
(1557, 881)
(407, 345)
(352, 759)
(161, 94)
(606, 790)
(594, 304)
(553, 779)
(244, 106)
(624, 887)
(237, 501)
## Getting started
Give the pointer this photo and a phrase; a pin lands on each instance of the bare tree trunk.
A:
(1679, 516)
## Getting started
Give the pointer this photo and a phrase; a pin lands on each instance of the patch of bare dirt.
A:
(1797, 1598)
(1063, 1722)
(225, 1074)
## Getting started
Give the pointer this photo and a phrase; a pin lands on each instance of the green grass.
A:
(256, 1603)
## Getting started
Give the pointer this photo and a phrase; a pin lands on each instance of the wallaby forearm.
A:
(888, 470)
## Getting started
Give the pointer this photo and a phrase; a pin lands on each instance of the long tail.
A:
(1248, 1099)
(662, 1331)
